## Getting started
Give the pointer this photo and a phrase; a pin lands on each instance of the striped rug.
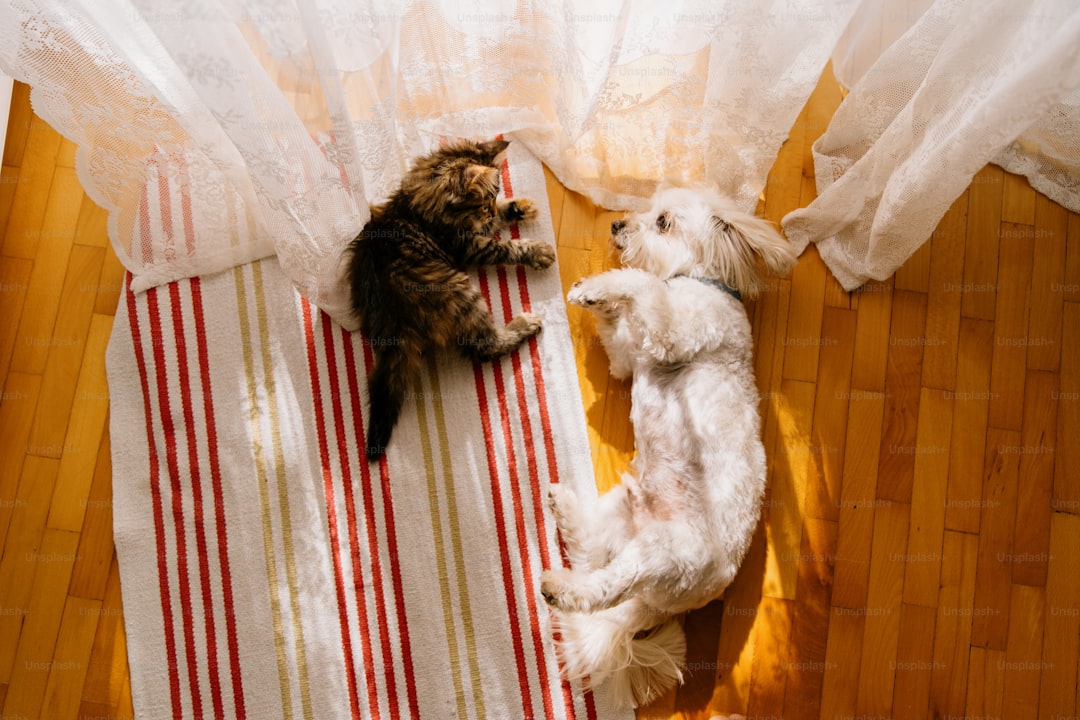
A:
(268, 571)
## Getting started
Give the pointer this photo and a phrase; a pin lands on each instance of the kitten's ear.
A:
(493, 149)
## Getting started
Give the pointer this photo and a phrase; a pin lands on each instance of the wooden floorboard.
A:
(922, 526)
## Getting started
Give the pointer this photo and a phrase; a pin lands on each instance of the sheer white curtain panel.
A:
(274, 124)
(938, 90)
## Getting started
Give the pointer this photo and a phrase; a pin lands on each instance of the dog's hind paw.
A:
(554, 586)
(561, 591)
(561, 502)
(560, 497)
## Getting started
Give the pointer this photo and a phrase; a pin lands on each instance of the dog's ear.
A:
(759, 237)
(746, 248)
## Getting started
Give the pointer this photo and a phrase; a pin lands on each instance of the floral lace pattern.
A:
(966, 83)
(280, 121)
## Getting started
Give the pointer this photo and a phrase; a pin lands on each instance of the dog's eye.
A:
(663, 222)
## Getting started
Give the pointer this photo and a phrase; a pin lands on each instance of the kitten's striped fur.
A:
(406, 270)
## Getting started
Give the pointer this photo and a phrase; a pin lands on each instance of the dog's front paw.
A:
(591, 297)
(582, 294)
(518, 210)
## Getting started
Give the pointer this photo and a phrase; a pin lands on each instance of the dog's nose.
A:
(617, 226)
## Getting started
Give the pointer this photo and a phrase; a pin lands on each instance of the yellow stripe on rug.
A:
(278, 458)
(283, 491)
(455, 542)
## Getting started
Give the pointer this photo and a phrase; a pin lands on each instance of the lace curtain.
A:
(274, 123)
(938, 90)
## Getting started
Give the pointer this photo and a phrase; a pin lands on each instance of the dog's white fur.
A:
(672, 535)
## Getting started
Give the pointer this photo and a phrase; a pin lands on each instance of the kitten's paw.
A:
(525, 325)
(541, 255)
(518, 210)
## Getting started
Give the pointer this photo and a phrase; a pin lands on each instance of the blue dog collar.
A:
(716, 284)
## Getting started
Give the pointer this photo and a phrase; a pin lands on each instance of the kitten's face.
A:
(458, 185)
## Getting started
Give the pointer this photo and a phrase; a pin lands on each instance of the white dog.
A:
(672, 535)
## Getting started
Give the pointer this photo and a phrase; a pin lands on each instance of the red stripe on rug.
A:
(377, 583)
(202, 553)
(547, 438)
(399, 593)
(219, 499)
(168, 429)
(500, 521)
(553, 476)
(538, 380)
(328, 492)
(500, 531)
(515, 492)
(526, 422)
(395, 577)
(155, 492)
(545, 424)
(354, 532)
(534, 352)
(346, 481)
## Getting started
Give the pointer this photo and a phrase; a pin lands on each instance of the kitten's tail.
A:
(600, 647)
(394, 370)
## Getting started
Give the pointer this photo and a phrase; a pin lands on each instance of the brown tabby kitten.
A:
(407, 274)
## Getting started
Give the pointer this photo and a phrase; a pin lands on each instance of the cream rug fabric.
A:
(269, 572)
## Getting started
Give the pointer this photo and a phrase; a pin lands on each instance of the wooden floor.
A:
(922, 528)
